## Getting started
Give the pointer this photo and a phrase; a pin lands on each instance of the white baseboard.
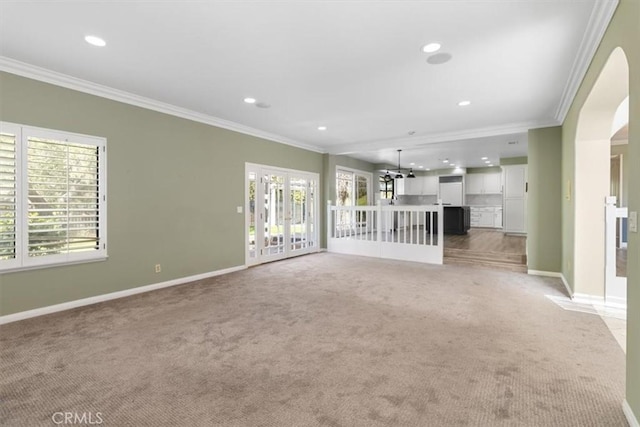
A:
(566, 285)
(588, 299)
(113, 295)
(616, 302)
(631, 418)
(553, 274)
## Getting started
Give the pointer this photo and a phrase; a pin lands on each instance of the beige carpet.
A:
(321, 340)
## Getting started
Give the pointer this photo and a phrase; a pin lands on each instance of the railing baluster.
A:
(431, 228)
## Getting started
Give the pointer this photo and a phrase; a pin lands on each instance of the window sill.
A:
(53, 265)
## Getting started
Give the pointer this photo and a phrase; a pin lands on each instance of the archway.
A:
(592, 175)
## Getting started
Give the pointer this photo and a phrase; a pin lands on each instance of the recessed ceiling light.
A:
(445, 161)
(490, 164)
(484, 158)
(431, 47)
(322, 128)
(95, 40)
(428, 169)
(412, 164)
(250, 100)
(263, 105)
(487, 161)
(464, 103)
(420, 167)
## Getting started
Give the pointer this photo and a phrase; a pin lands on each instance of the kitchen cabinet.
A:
(486, 216)
(430, 185)
(484, 183)
(413, 186)
(456, 220)
(399, 187)
(497, 218)
(421, 185)
(515, 198)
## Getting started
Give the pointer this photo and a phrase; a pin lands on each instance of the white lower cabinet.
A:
(486, 216)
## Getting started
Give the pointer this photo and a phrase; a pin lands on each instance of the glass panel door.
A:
(274, 216)
(252, 230)
(298, 189)
(281, 211)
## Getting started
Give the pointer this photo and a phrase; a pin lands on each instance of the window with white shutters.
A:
(8, 217)
(53, 197)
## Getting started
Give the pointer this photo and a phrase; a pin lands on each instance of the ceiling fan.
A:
(387, 176)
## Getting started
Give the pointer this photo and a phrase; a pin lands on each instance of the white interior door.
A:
(281, 213)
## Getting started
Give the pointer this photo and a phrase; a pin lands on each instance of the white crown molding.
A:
(421, 140)
(23, 69)
(601, 15)
(22, 315)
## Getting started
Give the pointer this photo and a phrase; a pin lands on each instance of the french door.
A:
(281, 213)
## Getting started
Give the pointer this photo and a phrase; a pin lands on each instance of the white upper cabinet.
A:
(413, 185)
(484, 183)
(400, 186)
(493, 183)
(430, 185)
(474, 183)
(421, 185)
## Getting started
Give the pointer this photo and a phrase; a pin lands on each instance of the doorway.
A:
(597, 179)
(281, 208)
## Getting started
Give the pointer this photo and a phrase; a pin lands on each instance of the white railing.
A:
(615, 286)
(410, 233)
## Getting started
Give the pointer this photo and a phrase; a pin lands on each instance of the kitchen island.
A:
(457, 220)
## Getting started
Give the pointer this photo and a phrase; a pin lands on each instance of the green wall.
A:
(544, 211)
(173, 187)
(492, 169)
(624, 32)
(506, 161)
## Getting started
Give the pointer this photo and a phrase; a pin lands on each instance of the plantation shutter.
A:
(63, 213)
(8, 196)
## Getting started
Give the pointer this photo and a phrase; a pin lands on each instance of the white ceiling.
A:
(353, 66)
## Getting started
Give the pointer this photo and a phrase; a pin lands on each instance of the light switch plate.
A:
(239, 209)
(633, 222)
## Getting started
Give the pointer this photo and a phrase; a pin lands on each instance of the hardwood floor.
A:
(493, 248)
(489, 240)
(487, 248)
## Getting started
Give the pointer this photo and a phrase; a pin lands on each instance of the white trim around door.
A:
(281, 213)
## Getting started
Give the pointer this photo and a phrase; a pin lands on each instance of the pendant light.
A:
(399, 174)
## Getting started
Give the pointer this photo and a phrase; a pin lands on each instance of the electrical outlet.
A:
(633, 222)
(158, 268)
